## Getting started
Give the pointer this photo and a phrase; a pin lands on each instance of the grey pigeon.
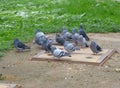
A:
(46, 43)
(64, 30)
(69, 47)
(38, 36)
(66, 34)
(20, 46)
(83, 33)
(59, 39)
(82, 41)
(58, 52)
(75, 36)
(73, 31)
(95, 48)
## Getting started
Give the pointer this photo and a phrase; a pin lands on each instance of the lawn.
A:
(20, 18)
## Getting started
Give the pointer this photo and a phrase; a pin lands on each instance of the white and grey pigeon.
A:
(83, 33)
(66, 34)
(95, 48)
(38, 35)
(59, 39)
(82, 41)
(20, 46)
(58, 52)
(69, 47)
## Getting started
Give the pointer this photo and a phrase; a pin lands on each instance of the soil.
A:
(17, 68)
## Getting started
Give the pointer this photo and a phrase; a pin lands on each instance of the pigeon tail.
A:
(86, 37)
(99, 48)
(77, 48)
(67, 54)
(27, 47)
(86, 45)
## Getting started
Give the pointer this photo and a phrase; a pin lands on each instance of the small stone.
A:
(117, 69)
(3, 67)
(71, 76)
(106, 66)
(65, 77)
(69, 68)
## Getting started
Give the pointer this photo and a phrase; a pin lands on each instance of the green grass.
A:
(20, 18)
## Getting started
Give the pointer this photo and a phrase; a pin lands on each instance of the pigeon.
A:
(58, 52)
(73, 31)
(95, 48)
(38, 36)
(64, 30)
(82, 41)
(75, 36)
(69, 47)
(66, 34)
(20, 46)
(59, 39)
(83, 33)
(46, 43)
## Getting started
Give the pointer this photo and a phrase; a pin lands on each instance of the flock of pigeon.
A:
(70, 41)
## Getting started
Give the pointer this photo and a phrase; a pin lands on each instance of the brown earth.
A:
(17, 68)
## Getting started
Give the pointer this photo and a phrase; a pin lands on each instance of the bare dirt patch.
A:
(18, 69)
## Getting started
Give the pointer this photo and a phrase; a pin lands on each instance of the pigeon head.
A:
(53, 48)
(93, 43)
(73, 31)
(81, 26)
(57, 35)
(50, 41)
(64, 30)
(38, 30)
(16, 40)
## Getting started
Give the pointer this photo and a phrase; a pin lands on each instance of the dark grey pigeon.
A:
(38, 36)
(95, 48)
(69, 47)
(20, 46)
(59, 39)
(58, 52)
(83, 33)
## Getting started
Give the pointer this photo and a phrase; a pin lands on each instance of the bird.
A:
(59, 39)
(20, 46)
(64, 30)
(58, 53)
(69, 47)
(95, 48)
(73, 31)
(75, 36)
(83, 33)
(82, 41)
(38, 35)
(46, 43)
(66, 34)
